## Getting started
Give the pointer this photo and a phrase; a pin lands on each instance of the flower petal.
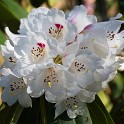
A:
(8, 97)
(24, 99)
(60, 108)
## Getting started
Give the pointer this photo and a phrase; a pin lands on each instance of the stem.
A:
(43, 110)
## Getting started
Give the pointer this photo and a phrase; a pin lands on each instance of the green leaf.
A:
(99, 102)
(2, 37)
(31, 115)
(10, 114)
(119, 85)
(117, 112)
(6, 113)
(4, 110)
(58, 121)
(17, 114)
(98, 112)
(43, 110)
(11, 13)
(97, 115)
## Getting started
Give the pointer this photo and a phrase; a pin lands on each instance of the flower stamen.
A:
(12, 60)
(17, 85)
(56, 32)
(51, 77)
(72, 103)
(39, 51)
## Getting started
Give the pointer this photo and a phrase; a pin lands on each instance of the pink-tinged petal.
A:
(79, 17)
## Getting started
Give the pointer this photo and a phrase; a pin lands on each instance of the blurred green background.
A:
(11, 11)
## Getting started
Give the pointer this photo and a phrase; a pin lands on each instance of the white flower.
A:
(79, 17)
(102, 38)
(67, 52)
(117, 43)
(83, 63)
(52, 22)
(54, 80)
(84, 69)
(8, 53)
(34, 49)
(33, 22)
(108, 72)
(13, 38)
(115, 40)
(95, 41)
(74, 105)
(36, 46)
(55, 25)
(14, 89)
(67, 59)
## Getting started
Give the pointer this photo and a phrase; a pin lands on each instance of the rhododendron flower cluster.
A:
(68, 58)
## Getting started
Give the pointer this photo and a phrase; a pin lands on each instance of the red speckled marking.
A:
(41, 45)
(59, 26)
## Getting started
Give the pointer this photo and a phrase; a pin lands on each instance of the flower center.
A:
(57, 31)
(39, 51)
(110, 35)
(72, 103)
(51, 77)
(79, 67)
(19, 84)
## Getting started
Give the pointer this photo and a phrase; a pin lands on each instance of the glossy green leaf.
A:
(109, 118)
(58, 121)
(99, 113)
(11, 13)
(2, 37)
(11, 113)
(3, 113)
(31, 115)
(117, 112)
(119, 85)
(17, 114)
(6, 113)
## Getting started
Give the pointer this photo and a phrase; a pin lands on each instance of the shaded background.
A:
(12, 10)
